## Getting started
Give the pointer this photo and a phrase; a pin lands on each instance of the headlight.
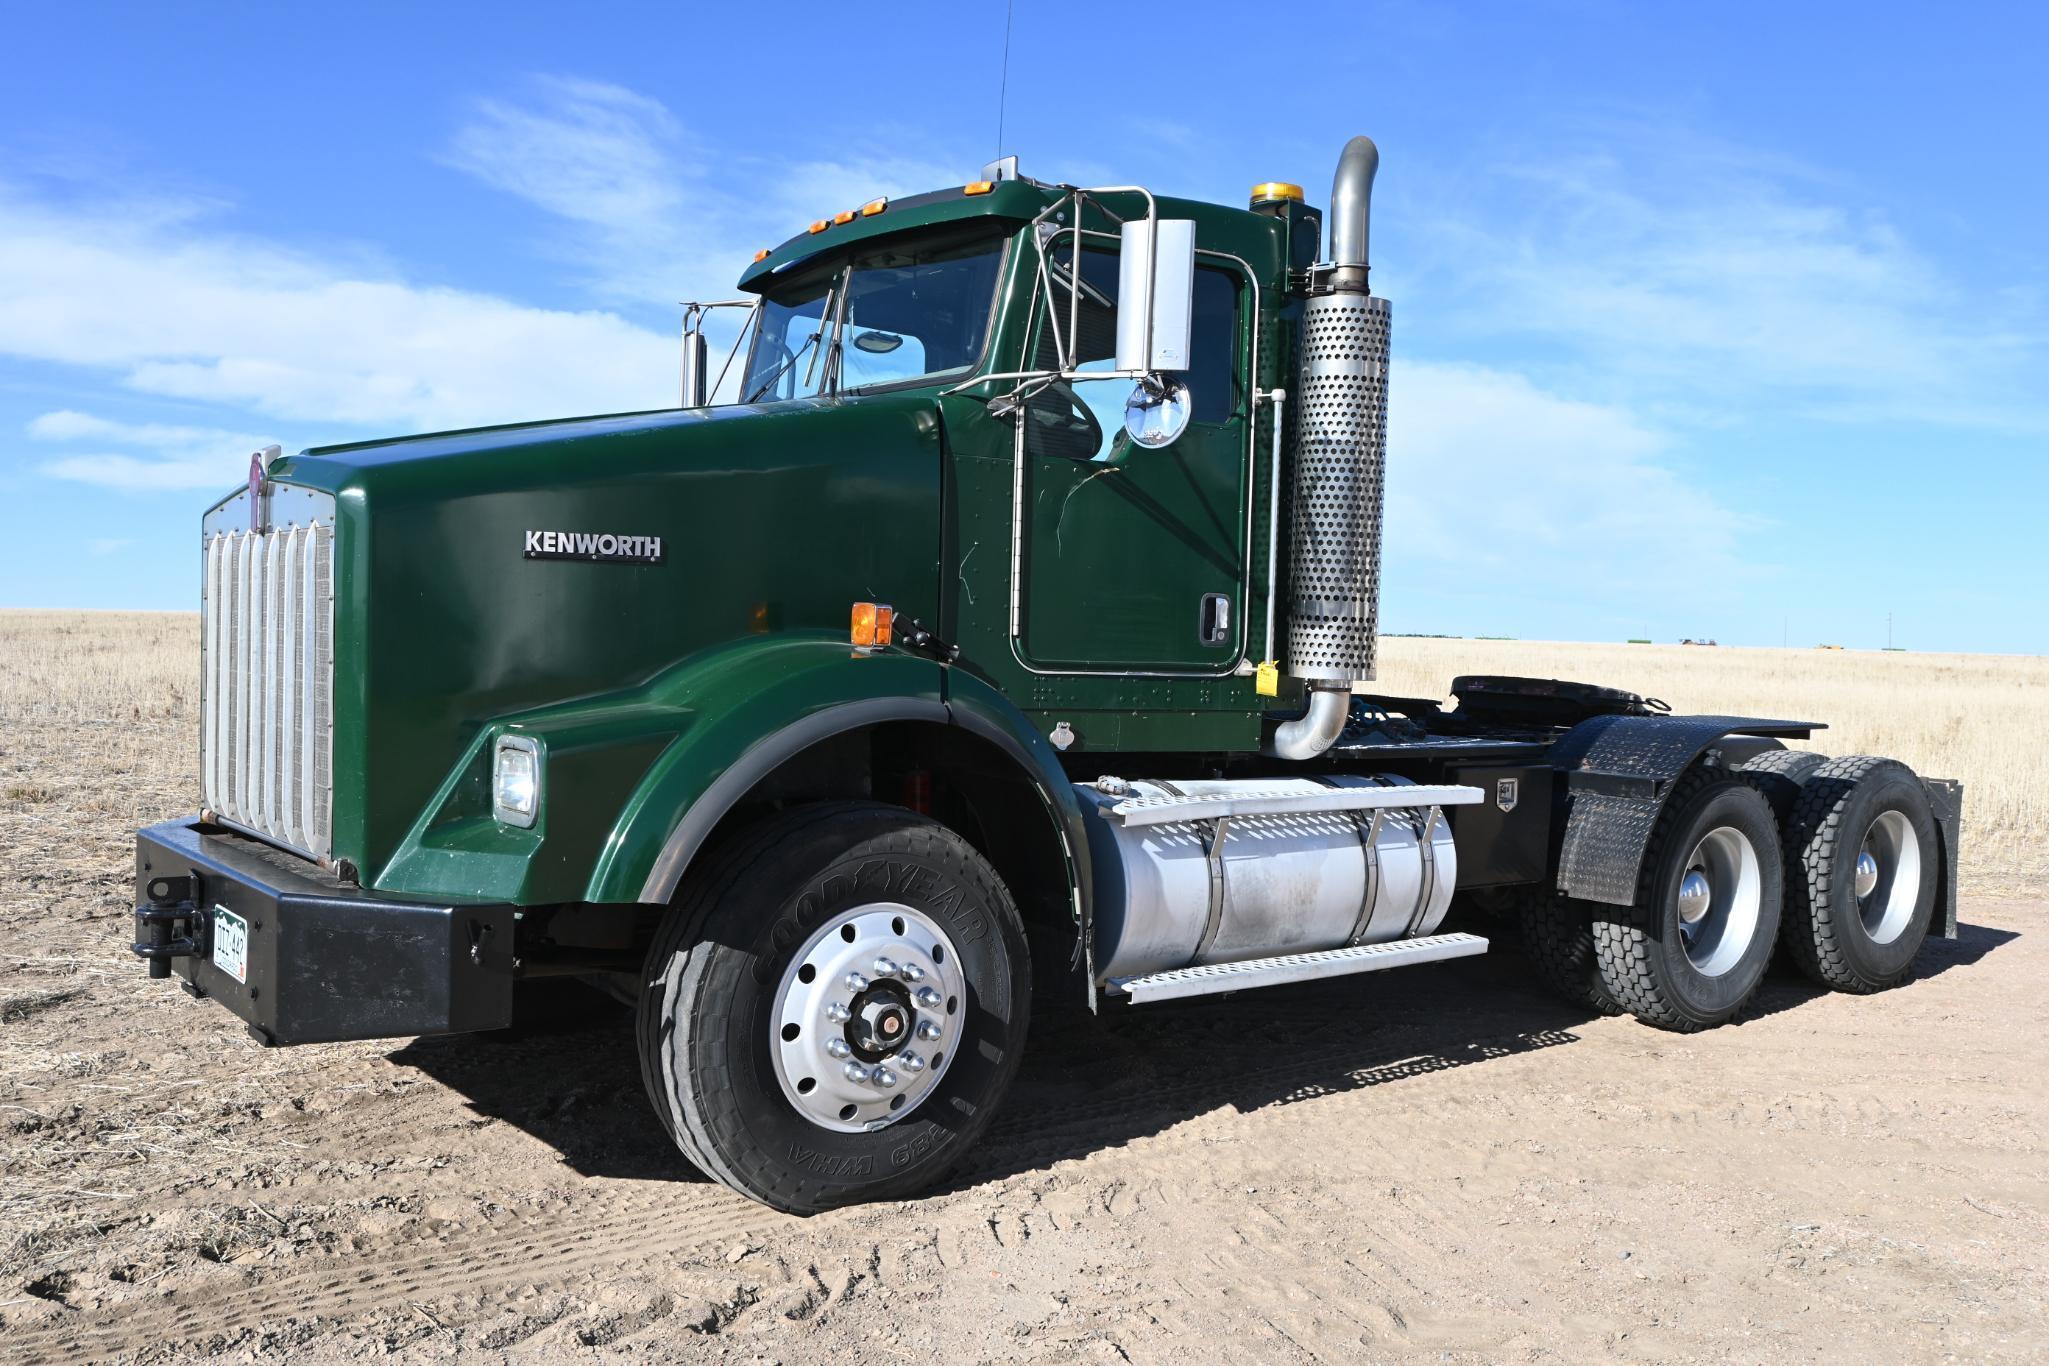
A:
(516, 780)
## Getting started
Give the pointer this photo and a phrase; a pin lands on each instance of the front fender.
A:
(623, 770)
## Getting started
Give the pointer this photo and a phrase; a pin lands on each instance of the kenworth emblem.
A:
(591, 545)
(1505, 792)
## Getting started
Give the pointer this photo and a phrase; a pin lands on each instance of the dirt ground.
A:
(1439, 1162)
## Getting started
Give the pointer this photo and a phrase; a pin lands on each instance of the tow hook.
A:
(168, 924)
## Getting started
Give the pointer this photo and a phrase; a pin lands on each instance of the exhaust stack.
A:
(1340, 450)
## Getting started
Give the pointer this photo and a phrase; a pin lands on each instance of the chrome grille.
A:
(267, 678)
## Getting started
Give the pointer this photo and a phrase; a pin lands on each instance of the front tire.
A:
(1865, 858)
(764, 995)
(1694, 947)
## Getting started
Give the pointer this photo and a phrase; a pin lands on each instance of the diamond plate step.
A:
(1140, 811)
(1295, 967)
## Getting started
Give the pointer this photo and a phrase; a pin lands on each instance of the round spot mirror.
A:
(1156, 417)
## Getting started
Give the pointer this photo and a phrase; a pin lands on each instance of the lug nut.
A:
(883, 1077)
(911, 973)
(856, 983)
(837, 1013)
(910, 1062)
(885, 968)
(837, 1048)
(928, 998)
(855, 1072)
(928, 1030)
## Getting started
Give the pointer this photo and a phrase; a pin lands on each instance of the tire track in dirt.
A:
(600, 1228)
(525, 1249)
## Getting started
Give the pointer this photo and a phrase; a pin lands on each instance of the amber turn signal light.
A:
(872, 623)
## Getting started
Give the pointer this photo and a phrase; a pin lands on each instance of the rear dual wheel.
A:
(1695, 945)
(1864, 862)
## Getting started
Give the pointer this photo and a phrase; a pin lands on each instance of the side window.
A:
(1085, 421)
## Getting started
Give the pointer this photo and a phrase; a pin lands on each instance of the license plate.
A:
(231, 943)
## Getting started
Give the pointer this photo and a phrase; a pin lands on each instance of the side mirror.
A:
(1155, 295)
(696, 357)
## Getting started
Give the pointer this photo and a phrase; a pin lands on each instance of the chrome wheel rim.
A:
(1887, 878)
(1720, 897)
(867, 1017)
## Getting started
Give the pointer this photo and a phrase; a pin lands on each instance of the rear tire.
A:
(1558, 939)
(1780, 774)
(734, 1000)
(1694, 947)
(1847, 936)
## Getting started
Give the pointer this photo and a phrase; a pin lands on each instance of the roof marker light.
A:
(874, 206)
(820, 226)
(843, 216)
(978, 187)
(1274, 190)
(761, 255)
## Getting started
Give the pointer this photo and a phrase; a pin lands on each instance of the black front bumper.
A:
(326, 961)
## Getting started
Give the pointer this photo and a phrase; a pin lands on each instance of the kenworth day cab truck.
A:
(1004, 635)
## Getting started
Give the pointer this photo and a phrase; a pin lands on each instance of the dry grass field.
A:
(1982, 719)
(1440, 1163)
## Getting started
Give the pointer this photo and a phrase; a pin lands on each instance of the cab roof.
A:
(1020, 200)
(1017, 201)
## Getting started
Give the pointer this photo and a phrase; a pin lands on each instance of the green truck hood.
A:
(770, 518)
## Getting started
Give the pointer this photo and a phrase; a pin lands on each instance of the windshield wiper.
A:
(762, 389)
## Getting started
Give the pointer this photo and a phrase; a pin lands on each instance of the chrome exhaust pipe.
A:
(1351, 215)
(1340, 456)
(1329, 708)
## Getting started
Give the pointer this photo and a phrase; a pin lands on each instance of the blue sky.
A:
(1724, 321)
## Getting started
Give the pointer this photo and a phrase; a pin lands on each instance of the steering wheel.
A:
(1066, 429)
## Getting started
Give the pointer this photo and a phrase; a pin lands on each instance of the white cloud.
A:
(648, 215)
(172, 308)
(1509, 494)
(1688, 273)
(174, 457)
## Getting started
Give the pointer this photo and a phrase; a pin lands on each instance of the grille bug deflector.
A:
(267, 674)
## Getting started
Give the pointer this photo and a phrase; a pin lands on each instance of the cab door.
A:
(1134, 560)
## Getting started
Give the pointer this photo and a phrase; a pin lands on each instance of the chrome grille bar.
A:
(267, 674)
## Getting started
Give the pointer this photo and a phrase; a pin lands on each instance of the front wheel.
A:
(1695, 945)
(835, 1007)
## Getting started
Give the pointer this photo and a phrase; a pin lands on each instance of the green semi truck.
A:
(1005, 633)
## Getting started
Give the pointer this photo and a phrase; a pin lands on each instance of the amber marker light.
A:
(978, 187)
(871, 624)
(761, 255)
(821, 225)
(843, 216)
(873, 207)
(1275, 190)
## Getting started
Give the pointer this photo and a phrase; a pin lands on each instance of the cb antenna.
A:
(1003, 86)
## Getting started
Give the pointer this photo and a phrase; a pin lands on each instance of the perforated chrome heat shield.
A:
(1340, 456)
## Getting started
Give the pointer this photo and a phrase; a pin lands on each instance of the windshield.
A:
(893, 314)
